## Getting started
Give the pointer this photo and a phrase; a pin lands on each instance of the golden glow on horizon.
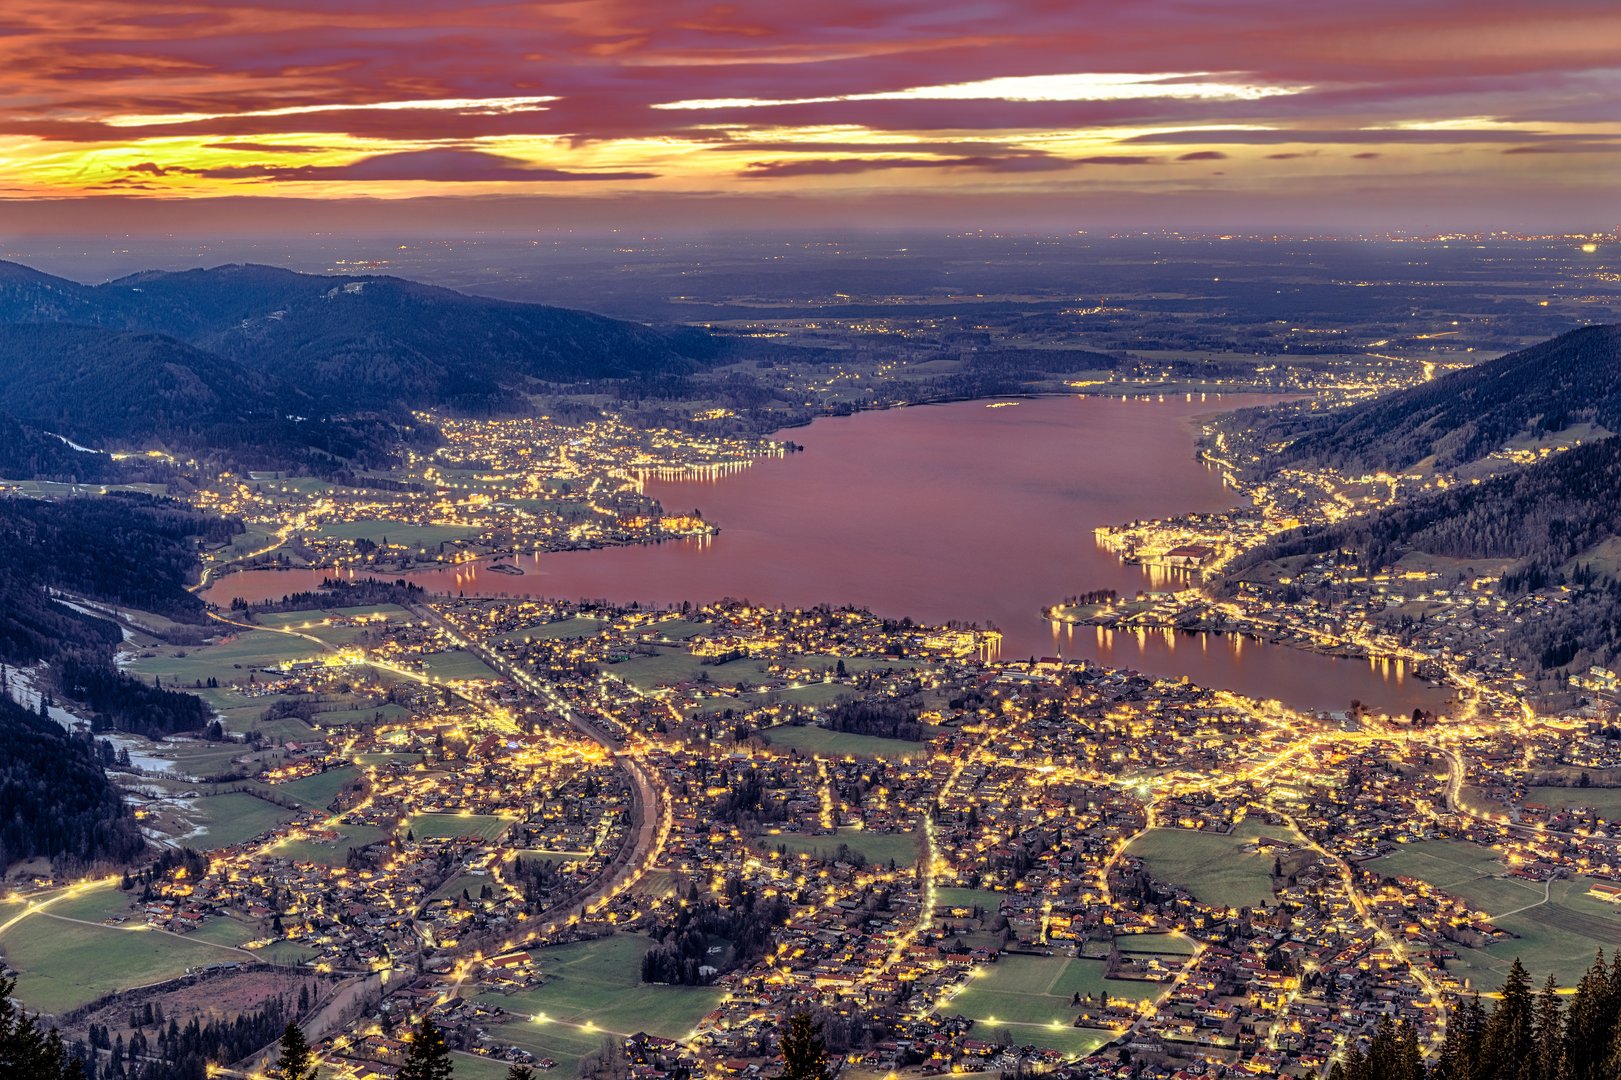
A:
(760, 99)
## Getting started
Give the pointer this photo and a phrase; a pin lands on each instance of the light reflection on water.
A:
(954, 512)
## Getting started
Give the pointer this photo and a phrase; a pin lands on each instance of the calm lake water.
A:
(946, 512)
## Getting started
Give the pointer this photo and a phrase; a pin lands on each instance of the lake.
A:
(963, 512)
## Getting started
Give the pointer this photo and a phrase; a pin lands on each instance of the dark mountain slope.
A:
(94, 385)
(1543, 516)
(27, 295)
(359, 343)
(109, 389)
(1466, 414)
(133, 550)
(383, 341)
(27, 452)
(126, 550)
(1547, 517)
(55, 800)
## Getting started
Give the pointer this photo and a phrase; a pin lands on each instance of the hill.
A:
(30, 452)
(133, 550)
(1549, 518)
(375, 341)
(352, 343)
(28, 295)
(55, 799)
(1464, 415)
(112, 387)
(130, 551)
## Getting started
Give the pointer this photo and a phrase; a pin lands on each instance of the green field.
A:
(1443, 863)
(1606, 802)
(286, 952)
(1214, 867)
(968, 898)
(581, 626)
(1556, 936)
(95, 905)
(1029, 996)
(877, 847)
(594, 988)
(345, 717)
(197, 757)
(313, 851)
(240, 712)
(223, 931)
(1559, 937)
(62, 965)
(816, 740)
(457, 664)
(565, 1044)
(474, 1067)
(228, 661)
(1469, 871)
(669, 667)
(315, 791)
(436, 826)
(234, 817)
(397, 532)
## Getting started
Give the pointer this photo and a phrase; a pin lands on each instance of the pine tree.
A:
(1408, 1061)
(1548, 1034)
(28, 1052)
(295, 1061)
(520, 1072)
(1590, 1024)
(1508, 1041)
(426, 1056)
(803, 1052)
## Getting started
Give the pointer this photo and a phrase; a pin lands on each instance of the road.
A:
(651, 802)
(1456, 805)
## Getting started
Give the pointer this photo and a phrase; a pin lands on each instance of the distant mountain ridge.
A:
(1464, 415)
(179, 354)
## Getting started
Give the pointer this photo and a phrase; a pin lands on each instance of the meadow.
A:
(62, 964)
(593, 990)
(821, 741)
(878, 848)
(1214, 867)
(441, 826)
(1029, 998)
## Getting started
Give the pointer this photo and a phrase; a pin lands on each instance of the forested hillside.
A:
(28, 452)
(79, 380)
(1462, 416)
(269, 337)
(127, 549)
(130, 551)
(55, 800)
(1548, 518)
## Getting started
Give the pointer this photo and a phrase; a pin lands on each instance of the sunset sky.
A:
(1375, 114)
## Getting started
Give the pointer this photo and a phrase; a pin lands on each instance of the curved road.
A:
(651, 803)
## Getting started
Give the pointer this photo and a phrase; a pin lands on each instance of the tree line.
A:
(1528, 1034)
(55, 799)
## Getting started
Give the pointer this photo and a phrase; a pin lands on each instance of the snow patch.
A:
(73, 445)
